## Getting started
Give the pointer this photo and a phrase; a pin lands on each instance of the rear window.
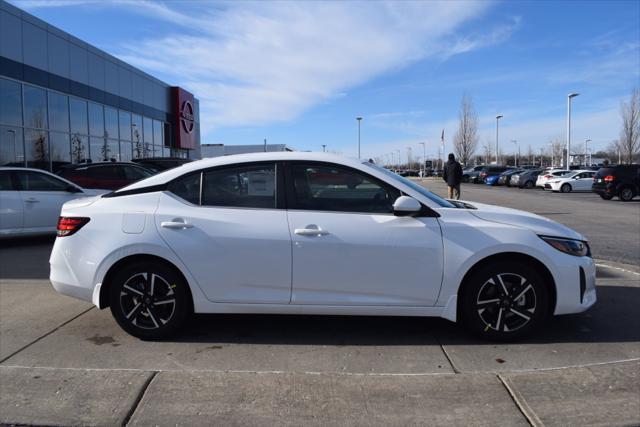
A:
(6, 184)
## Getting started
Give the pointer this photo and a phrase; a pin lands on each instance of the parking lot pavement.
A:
(612, 226)
(63, 362)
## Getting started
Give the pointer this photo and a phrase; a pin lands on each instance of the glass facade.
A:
(47, 129)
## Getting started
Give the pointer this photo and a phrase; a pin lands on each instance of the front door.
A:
(349, 248)
(233, 238)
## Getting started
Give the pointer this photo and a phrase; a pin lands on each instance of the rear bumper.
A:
(603, 188)
(63, 277)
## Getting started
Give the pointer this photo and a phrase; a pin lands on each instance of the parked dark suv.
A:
(105, 176)
(622, 181)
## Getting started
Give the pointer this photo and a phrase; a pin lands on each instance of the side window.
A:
(187, 188)
(136, 173)
(34, 181)
(6, 184)
(329, 188)
(251, 186)
(104, 172)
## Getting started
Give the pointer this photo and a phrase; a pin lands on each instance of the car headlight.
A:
(568, 246)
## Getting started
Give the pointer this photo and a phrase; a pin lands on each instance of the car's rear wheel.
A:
(504, 301)
(626, 194)
(565, 188)
(149, 300)
(529, 185)
(606, 196)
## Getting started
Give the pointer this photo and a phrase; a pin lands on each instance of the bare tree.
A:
(487, 150)
(465, 140)
(556, 150)
(530, 155)
(614, 151)
(630, 112)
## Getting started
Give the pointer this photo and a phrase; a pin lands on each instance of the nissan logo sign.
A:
(186, 116)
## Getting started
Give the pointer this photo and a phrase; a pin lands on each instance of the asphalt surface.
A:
(64, 362)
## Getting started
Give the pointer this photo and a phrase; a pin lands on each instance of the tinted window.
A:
(331, 188)
(10, 102)
(134, 173)
(5, 181)
(78, 116)
(106, 172)
(58, 112)
(35, 107)
(33, 181)
(187, 188)
(245, 186)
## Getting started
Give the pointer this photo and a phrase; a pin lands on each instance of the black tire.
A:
(529, 185)
(565, 188)
(606, 196)
(488, 311)
(149, 300)
(626, 194)
(465, 179)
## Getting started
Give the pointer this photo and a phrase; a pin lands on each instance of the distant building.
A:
(217, 150)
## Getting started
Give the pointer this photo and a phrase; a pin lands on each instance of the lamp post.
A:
(398, 158)
(571, 95)
(517, 154)
(324, 148)
(423, 165)
(498, 117)
(586, 141)
(359, 119)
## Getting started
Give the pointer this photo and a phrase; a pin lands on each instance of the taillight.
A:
(69, 225)
(548, 176)
(609, 178)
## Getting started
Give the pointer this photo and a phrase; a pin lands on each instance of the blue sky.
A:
(299, 73)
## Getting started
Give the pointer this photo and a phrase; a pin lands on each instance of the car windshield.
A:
(420, 189)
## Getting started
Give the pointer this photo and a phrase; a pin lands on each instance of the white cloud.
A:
(259, 63)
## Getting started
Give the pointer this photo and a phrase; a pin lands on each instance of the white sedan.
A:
(313, 233)
(31, 199)
(576, 181)
(550, 174)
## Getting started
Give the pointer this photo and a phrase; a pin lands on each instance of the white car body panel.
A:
(252, 261)
(35, 212)
(542, 180)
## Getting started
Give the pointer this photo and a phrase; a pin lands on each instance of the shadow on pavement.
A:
(25, 257)
(613, 319)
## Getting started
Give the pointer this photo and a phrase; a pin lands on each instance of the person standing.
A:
(453, 176)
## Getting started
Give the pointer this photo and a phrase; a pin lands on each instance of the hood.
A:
(536, 223)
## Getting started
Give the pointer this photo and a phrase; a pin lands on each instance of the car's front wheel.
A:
(566, 188)
(149, 300)
(504, 301)
(529, 184)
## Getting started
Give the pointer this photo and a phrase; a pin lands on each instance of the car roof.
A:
(98, 164)
(170, 174)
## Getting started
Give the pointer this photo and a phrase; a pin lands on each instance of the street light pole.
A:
(518, 152)
(398, 158)
(359, 119)
(324, 148)
(498, 117)
(571, 95)
(423, 166)
(586, 141)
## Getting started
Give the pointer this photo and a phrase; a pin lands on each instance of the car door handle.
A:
(311, 231)
(32, 200)
(175, 224)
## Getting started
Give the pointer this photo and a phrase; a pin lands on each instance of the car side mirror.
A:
(406, 206)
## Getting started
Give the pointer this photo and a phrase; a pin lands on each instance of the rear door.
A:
(42, 198)
(228, 227)
(584, 181)
(11, 210)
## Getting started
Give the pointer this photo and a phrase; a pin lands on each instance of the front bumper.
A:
(575, 285)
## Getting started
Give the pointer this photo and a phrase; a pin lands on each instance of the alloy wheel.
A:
(147, 300)
(506, 302)
(626, 194)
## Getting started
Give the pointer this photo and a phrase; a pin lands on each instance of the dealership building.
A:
(64, 101)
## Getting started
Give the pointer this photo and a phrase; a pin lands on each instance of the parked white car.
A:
(550, 174)
(581, 180)
(313, 233)
(31, 199)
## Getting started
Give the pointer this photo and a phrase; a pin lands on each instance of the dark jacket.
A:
(452, 173)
